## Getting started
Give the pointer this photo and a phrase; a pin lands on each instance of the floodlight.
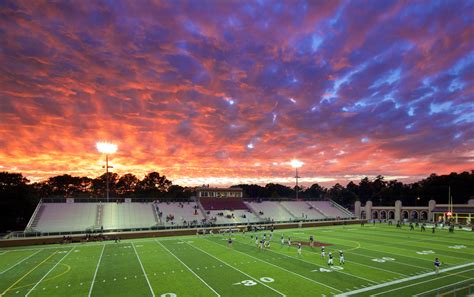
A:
(296, 163)
(106, 147)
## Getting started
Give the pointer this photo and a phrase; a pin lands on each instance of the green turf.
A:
(380, 261)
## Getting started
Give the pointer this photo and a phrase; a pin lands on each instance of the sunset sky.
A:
(228, 92)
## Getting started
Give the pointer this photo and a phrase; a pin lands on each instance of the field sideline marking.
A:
(31, 270)
(96, 269)
(449, 285)
(350, 274)
(404, 280)
(302, 276)
(44, 276)
(20, 262)
(187, 267)
(143, 269)
(236, 269)
(426, 281)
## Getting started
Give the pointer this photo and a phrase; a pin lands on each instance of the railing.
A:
(30, 222)
(336, 205)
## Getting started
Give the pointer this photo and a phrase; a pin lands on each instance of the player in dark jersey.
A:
(437, 264)
(299, 248)
(330, 260)
(311, 241)
(229, 242)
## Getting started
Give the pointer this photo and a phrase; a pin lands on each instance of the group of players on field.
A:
(264, 243)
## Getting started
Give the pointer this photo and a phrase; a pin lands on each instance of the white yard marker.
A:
(217, 294)
(44, 276)
(96, 269)
(302, 276)
(405, 280)
(143, 269)
(20, 262)
(238, 270)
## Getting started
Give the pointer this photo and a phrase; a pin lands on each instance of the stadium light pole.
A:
(296, 164)
(106, 148)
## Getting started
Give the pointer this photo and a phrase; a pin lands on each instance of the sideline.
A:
(398, 281)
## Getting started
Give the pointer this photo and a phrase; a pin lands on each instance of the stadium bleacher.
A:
(127, 215)
(271, 210)
(57, 217)
(180, 214)
(329, 209)
(302, 210)
(84, 217)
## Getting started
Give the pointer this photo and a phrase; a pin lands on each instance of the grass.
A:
(380, 261)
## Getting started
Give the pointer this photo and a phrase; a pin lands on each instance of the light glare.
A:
(296, 163)
(106, 147)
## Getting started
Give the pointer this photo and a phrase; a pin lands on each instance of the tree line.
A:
(19, 197)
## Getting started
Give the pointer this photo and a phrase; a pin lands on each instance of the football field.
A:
(379, 261)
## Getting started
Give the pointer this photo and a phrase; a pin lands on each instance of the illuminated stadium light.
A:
(106, 147)
(296, 163)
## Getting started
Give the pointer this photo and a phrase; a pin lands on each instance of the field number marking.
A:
(333, 268)
(249, 283)
(168, 295)
(425, 252)
(457, 247)
(383, 259)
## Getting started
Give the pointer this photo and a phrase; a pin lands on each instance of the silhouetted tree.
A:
(127, 185)
(153, 185)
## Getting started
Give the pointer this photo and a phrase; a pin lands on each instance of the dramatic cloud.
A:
(223, 92)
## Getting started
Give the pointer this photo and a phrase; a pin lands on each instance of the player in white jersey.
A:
(299, 248)
(341, 257)
(256, 240)
(289, 241)
(323, 252)
(282, 240)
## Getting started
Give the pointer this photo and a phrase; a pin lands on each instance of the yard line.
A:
(450, 285)
(426, 281)
(353, 275)
(96, 269)
(217, 294)
(20, 262)
(398, 262)
(26, 274)
(378, 268)
(302, 276)
(237, 269)
(143, 269)
(44, 276)
(398, 281)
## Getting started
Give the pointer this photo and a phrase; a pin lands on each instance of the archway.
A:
(423, 215)
(405, 215)
(391, 215)
(414, 215)
(375, 215)
(383, 215)
(363, 215)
